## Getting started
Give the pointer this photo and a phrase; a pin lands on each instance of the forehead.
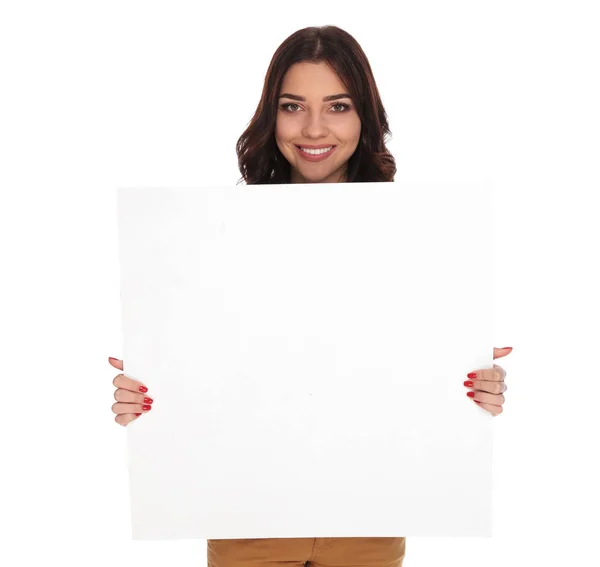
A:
(311, 79)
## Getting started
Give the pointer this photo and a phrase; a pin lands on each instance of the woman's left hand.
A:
(488, 385)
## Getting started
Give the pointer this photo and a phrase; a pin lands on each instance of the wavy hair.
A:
(259, 159)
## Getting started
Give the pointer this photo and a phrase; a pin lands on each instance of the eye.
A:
(286, 106)
(344, 106)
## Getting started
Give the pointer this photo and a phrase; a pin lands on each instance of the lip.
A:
(321, 157)
(311, 147)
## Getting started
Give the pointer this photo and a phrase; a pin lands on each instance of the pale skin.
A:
(305, 118)
(314, 121)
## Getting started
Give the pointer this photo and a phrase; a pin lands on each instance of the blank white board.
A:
(306, 347)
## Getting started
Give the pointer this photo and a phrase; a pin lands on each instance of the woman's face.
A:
(311, 112)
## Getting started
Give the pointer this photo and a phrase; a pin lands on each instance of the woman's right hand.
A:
(131, 396)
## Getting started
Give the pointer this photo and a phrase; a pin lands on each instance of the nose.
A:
(314, 126)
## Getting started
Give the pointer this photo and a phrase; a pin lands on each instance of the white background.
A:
(278, 433)
(97, 95)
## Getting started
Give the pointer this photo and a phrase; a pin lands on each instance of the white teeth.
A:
(316, 152)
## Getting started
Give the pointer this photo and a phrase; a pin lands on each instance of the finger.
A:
(120, 408)
(494, 410)
(491, 387)
(495, 374)
(115, 362)
(129, 397)
(500, 352)
(485, 398)
(125, 418)
(121, 381)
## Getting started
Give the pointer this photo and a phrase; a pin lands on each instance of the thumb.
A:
(500, 352)
(115, 362)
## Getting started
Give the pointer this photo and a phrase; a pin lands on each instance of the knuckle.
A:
(124, 396)
(114, 408)
(117, 379)
(498, 388)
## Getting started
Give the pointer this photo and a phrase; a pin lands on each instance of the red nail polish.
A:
(146, 408)
(138, 414)
(472, 375)
(477, 402)
(471, 394)
(143, 389)
(148, 400)
(468, 383)
(507, 347)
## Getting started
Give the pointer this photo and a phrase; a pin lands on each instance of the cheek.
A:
(282, 137)
(284, 129)
(347, 130)
(352, 129)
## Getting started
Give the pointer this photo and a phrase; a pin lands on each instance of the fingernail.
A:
(506, 347)
(111, 358)
(148, 400)
(146, 408)
(138, 414)
(143, 389)
(468, 383)
(471, 394)
(477, 402)
(472, 375)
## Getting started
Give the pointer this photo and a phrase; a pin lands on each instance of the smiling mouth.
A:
(316, 151)
(315, 155)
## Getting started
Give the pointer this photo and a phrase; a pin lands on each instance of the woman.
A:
(319, 92)
(320, 120)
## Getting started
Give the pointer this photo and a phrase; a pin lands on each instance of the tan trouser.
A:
(319, 552)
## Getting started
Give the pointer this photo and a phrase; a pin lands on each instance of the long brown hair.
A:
(259, 159)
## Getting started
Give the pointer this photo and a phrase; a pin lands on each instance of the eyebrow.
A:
(325, 98)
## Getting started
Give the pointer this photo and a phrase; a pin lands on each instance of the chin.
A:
(314, 178)
(321, 177)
